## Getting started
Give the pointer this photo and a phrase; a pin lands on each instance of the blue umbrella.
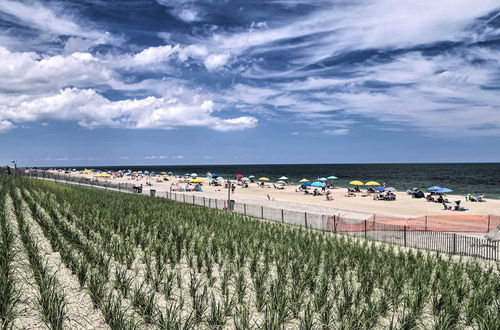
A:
(170, 173)
(434, 188)
(443, 190)
(379, 188)
(390, 189)
(307, 184)
(140, 172)
(317, 184)
(215, 175)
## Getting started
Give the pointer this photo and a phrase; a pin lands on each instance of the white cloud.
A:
(338, 131)
(47, 20)
(215, 61)
(5, 126)
(91, 109)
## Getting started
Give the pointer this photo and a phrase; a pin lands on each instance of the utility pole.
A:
(228, 193)
(15, 167)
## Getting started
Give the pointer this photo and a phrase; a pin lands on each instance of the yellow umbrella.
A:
(87, 171)
(304, 180)
(357, 183)
(372, 183)
(263, 179)
(196, 180)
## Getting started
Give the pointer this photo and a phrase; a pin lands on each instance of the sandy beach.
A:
(362, 204)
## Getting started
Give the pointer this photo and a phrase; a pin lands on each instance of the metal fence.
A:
(428, 232)
(411, 235)
(67, 178)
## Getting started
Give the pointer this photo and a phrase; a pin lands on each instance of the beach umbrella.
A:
(170, 173)
(163, 173)
(306, 184)
(245, 179)
(140, 172)
(87, 171)
(434, 188)
(252, 177)
(239, 176)
(379, 188)
(390, 189)
(146, 172)
(215, 175)
(322, 179)
(128, 174)
(194, 175)
(196, 180)
(304, 180)
(443, 190)
(372, 183)
(283, 178)
(331, 177)
(317, 184)
(280, 182)
(220, 178)
(263, 179)
(356, 183)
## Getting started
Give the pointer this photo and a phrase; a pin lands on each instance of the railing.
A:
(429, 232)
(418, 233)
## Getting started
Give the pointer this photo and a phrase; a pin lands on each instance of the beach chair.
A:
(446, 207)
(480, 199)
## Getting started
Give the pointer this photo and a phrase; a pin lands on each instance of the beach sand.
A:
(288, 198)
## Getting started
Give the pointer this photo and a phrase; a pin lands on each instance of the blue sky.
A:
(105, 82)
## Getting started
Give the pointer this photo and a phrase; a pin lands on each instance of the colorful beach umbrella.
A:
(281, 182)
(322, 179)
(331, 177)
(194, 175)
(196, 180)
(379, 188)
(263, 179)
(444, 190)
(239, 176)
(434, 188)
(317, 184)
(372, 183)
(215, 175)
(170, 173)
(356, 183)
(390, 189)
(283, 178)
(87, 171)
(307, 184)
(304, 180)
(252, 176)
(245, 179)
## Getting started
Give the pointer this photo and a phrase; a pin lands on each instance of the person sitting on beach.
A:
(480, 198)
(429, 198)
(356, 189)
(329, 196)
(471, 198)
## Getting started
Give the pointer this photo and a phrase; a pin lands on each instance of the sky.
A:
(108, 82)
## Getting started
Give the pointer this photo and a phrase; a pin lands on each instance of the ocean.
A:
(462, 178)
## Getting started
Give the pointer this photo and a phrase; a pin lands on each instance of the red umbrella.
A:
(239, 176)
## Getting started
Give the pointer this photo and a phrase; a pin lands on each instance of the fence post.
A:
(183, 198)
(204, 201)
(262, 211)
(365, 229)
(404, 235)
(489, 221)
(425, 223)
(282, 215)
(454, 243)
(374, 220)
(244, 208)
(305, 218)
(193, 199)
